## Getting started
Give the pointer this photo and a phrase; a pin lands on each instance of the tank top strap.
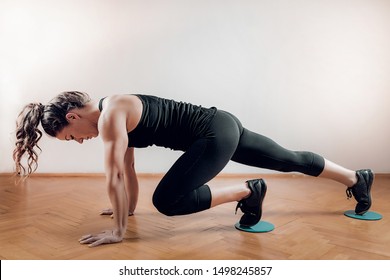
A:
(101, 104)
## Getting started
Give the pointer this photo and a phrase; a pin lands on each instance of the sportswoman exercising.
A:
(209, 137)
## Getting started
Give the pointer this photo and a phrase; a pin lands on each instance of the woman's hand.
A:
(110, 212)
(105, 237)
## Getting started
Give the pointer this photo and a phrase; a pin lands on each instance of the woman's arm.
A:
(131, 181)
(114, 134)
(114, 166)
(131, 184)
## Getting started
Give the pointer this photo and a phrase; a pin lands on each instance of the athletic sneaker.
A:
(361, 191)
(252, 205)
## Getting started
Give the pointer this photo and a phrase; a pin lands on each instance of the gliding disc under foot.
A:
(369, 216)
(261, 226)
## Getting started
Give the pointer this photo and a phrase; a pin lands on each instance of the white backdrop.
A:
(312, 75)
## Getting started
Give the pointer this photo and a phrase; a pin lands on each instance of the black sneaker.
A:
(252, 205)
(361, 191)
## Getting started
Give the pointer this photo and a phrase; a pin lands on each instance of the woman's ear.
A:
(71, 116)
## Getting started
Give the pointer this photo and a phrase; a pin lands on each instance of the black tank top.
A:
(168, 123)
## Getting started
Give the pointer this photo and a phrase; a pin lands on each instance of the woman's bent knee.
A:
(163, 206)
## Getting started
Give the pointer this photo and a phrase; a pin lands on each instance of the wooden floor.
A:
(44, 217)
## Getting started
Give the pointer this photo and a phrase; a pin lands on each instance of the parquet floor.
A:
(44, 217)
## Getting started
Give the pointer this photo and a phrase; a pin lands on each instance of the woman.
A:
(209, 137)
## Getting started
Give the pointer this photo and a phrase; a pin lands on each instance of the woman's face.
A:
(78, 129)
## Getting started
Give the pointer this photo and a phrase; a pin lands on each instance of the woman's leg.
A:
(338, 173)
(221, 195)
(259, 151)
(183, 189)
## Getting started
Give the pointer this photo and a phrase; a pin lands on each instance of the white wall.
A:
(313, 75)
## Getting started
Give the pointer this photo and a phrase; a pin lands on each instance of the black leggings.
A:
(183, 189)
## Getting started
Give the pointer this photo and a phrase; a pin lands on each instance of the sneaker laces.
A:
(348, 191)
(239, 204)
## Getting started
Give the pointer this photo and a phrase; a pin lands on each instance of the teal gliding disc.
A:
(261, 226)
(369, 216)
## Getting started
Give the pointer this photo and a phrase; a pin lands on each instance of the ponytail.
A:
(52, 118)
(27, 137)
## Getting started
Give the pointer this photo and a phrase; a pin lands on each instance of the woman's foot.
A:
(251, 206)
(361, 191)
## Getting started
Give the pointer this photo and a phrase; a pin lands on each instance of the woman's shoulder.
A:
(120, 99)
(122, 106)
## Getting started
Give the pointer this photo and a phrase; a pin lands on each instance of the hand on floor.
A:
(105, 237)
(109, 211)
